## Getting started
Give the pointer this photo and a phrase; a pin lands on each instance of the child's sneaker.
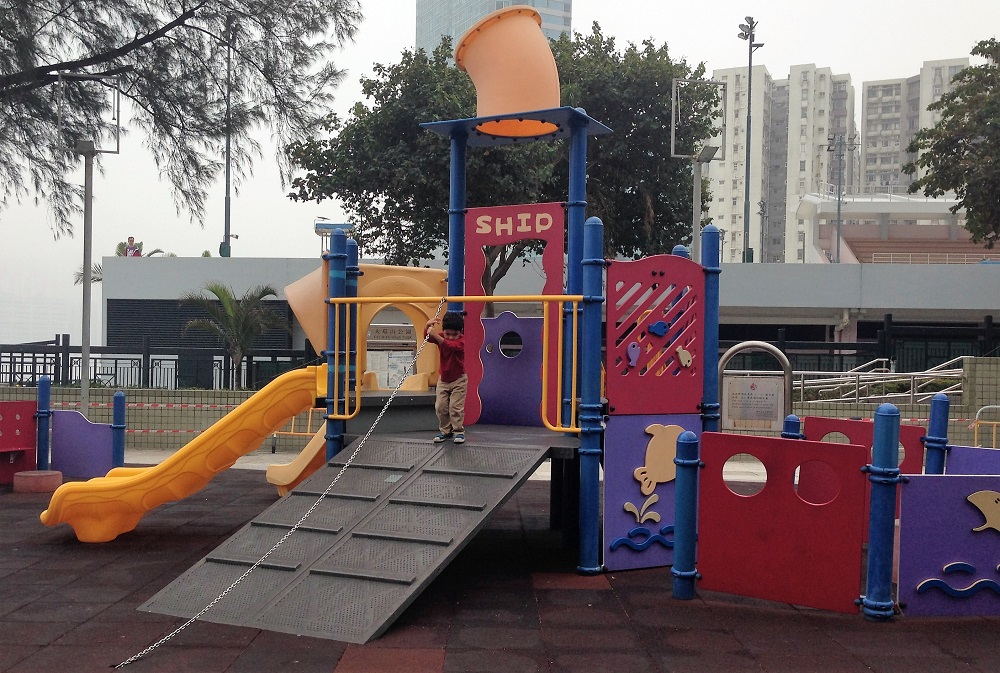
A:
(442, 437)
(459, 438)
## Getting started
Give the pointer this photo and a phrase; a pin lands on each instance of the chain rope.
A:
(288, 534)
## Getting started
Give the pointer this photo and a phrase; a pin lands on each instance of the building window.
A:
(802, 166)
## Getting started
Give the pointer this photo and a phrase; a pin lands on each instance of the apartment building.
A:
(436, 18)
(892, 112)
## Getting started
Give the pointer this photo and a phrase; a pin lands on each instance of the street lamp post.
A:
(747, 33)
(762, 211)
(706, 154)
(838, 145)
(225, 249)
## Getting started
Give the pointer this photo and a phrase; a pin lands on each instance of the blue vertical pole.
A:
(685, 516)
(936, 441)
(710, 392)
(792, 428)
(118, 431)
(591, 411)
(43, 414)
(576, 209)
(883, 473)
(681, 251)
(353, 273)
(335, 375)
(456, 220)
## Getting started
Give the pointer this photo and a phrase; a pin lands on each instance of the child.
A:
(453, 382)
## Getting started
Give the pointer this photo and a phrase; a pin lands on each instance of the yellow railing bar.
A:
(992, 424)
(348, 413)
(557, 426)
(544, 299)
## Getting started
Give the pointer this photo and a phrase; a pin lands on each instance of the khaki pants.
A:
(449, 404)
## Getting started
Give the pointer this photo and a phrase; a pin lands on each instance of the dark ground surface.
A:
(510, 602)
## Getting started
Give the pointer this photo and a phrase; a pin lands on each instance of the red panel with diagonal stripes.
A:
(655, 327)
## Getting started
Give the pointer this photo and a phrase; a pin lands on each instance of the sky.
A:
(868, 40)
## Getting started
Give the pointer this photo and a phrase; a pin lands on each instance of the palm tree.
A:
(97, 271)
(236, 322)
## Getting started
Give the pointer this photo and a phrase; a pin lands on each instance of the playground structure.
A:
(799, 538)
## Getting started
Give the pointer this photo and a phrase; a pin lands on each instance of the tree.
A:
(960, 152)
(392, 176)
(169, 58)
(97, 270)
(236, 322)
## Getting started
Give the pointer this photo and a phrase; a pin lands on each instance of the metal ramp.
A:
(402, 510)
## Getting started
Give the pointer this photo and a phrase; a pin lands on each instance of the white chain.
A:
(201, 613)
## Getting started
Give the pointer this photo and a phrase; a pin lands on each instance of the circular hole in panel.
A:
(489, 348)
(744, 474)
(835, 438)
(510, 344)
(816, 482)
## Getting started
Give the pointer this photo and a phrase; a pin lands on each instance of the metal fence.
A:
(157, 368)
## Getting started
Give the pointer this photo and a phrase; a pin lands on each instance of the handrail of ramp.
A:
(571, 302)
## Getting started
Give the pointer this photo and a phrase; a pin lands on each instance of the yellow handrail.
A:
(544, 299)
(992, 424)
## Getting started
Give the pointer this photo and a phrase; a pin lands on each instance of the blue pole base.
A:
(877, 611)
(583, 570)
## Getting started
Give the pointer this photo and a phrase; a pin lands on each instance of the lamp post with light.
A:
(224, 248)
(838, 145)
(747, 33)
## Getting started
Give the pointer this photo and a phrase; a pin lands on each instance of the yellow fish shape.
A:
(988, 503)
(660, 453)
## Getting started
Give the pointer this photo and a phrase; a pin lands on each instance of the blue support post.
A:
(681, 251)
(686, 516)
(710, 392)
(353, 273)
(591, 413)
(576, 209)
(456, 220)
(335, 375)
(118, 431)
(792, 428)
(877, 604)
(936, 441)
(43, 414)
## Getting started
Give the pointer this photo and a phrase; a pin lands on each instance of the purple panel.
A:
(939, 552)
(511, 391)
(80, 449)
(972, 460)
(633, 538)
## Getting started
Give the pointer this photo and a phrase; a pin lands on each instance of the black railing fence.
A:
(165, 368)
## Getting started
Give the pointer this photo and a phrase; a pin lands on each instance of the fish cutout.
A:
(988, 503)
(660, 453)
(633, 353)
(658, 328)
(684, 357)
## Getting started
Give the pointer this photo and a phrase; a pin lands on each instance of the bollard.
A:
(685, 516)
(118, 431)
(792, 428)
(883, 473)
(936, 441)
(44, 414)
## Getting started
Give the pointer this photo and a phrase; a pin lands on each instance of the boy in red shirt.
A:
(453, 382)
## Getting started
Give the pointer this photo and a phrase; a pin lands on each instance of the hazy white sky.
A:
(870, 41)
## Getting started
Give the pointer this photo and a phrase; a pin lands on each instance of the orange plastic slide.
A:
(101, 509)
(287, 476)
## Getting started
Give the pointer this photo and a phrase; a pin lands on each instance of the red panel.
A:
(774, 545)
(17, 431)
(863, 432)
(497, 225)
(655, 330)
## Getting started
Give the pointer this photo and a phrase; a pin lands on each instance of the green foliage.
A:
(960, 153)
(236, 322)
(393, 177)
(170, 58)
(97, 271)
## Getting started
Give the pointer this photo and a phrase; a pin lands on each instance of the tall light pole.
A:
(747, 33)
(762, 211)
(224, 248)
(838, 145)
(706, 154)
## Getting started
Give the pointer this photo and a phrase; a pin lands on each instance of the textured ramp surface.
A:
(395, 518)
